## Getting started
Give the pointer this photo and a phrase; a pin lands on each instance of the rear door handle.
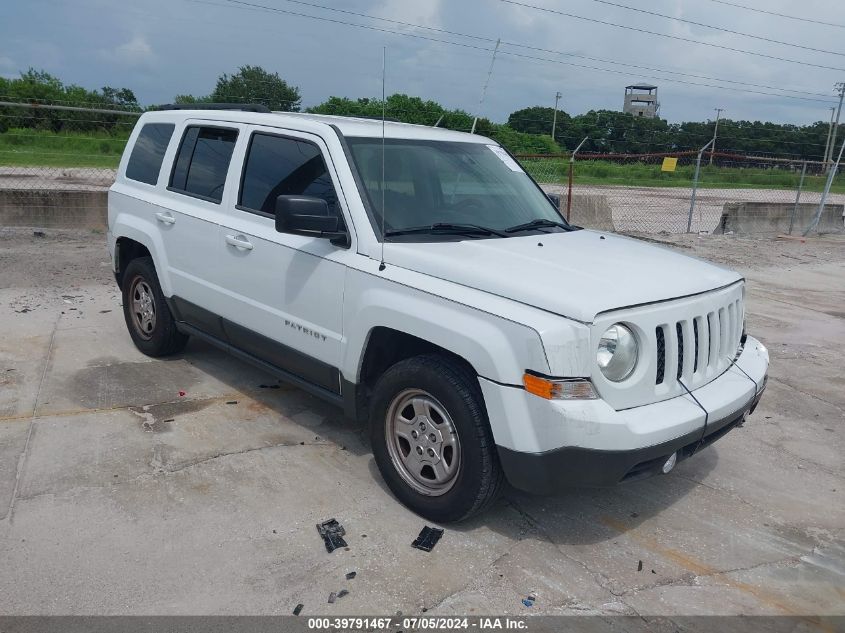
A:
(239, 241)
(165, 217)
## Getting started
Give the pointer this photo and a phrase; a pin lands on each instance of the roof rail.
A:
(245, 107)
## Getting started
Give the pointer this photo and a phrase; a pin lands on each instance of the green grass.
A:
(42, 148)
(598, 172)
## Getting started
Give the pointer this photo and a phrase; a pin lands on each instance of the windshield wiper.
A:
(537, 224)
(447, 228)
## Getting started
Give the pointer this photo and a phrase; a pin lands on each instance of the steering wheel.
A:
(468, 204)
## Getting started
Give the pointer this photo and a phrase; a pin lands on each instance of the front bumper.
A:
(546, 473)
(547, 444)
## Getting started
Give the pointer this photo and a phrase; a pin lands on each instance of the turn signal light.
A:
(559, 388)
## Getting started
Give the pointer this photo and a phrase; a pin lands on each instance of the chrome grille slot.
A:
(715, 329)
(680, 331)
(661, 354)
(695, 336)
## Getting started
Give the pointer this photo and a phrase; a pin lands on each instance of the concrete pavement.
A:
(118, 495)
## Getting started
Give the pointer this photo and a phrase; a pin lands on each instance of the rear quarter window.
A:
(148, 152)
(203, 161)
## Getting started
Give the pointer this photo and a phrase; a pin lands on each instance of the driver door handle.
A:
(239, 241)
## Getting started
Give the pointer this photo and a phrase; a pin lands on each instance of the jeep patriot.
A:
(419, 278)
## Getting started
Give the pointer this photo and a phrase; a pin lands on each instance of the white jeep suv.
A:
(420, 279)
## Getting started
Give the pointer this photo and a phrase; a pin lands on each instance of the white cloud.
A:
(135, 52)
(8, 67)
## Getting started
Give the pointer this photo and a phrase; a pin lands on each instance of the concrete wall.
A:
(774, 218)
(591, 212)
(54, 208)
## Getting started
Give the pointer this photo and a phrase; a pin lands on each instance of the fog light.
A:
(670, 463)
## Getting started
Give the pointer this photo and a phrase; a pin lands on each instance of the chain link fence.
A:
(57, 163)
(660, 193)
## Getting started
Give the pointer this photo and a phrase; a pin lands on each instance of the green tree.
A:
(408, 109)
(39, 86)
(253, 84)
(122, 98)
(192, 99)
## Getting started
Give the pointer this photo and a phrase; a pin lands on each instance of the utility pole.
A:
(829, 132)
(841, 88)
(486, 82)
(715, 132)
(554, 118)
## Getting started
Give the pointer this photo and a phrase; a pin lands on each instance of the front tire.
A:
(148, 318)
(432, 441)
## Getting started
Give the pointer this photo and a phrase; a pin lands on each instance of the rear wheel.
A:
(432, 440)
(148, 318)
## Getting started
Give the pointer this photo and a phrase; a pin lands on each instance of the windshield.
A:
(449, 184)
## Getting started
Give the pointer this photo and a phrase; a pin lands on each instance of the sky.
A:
(161, 48)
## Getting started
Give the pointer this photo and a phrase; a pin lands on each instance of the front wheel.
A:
(432, 440)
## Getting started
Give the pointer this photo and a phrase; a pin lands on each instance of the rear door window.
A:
(203, 161)
(148, 152)
(276, 166)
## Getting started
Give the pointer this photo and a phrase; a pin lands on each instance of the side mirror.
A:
(306, 215)
(555, 199)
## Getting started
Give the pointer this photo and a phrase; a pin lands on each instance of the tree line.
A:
(527, 131)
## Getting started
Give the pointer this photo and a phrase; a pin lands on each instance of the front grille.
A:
(682, 343)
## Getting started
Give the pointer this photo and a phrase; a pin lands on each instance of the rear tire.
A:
(148, 318)
(432, 440)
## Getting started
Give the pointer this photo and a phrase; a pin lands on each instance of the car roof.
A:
(318, 123)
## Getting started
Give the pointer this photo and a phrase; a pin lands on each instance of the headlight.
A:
(617, 353)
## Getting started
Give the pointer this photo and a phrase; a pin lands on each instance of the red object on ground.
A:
(182, 393)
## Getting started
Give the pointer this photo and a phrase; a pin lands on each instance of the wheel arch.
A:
(134, 239)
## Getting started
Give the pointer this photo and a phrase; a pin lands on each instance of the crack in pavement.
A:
(689, 579)
(600, 579)
(161, 468)
(808, 394)
(10, 511)
(160, 471)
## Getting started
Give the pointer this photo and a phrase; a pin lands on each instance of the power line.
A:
(671, 37)
(717, 28)
(537, 48)
(251, 5)
(780, 15)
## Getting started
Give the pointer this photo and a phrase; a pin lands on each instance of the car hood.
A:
(576, 274)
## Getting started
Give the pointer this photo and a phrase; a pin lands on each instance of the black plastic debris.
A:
(640, 566)
(298, 609)
(332, 533)
(427, 539)
(332, 597)
(39, 233)
(232, 402)
(351, 575)
(342, 592)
